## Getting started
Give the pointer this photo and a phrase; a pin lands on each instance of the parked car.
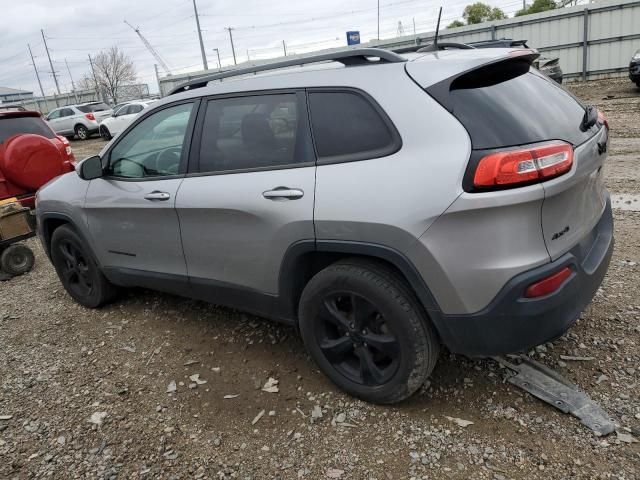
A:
(550, 66)
(634, 68)
(379, 218)
(121, 118)
(80, 120)
(31, 154)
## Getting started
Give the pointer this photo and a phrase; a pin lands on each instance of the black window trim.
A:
(186, 146)
(392, 148)
(194, 157)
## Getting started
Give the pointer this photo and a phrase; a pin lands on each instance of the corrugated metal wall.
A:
(613, 35)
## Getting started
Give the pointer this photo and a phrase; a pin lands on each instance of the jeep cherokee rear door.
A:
(249, 194)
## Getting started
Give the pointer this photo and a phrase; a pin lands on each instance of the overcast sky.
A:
(75, 28)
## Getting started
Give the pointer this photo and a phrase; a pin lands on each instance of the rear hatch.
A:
(506, 104)
(100, 110)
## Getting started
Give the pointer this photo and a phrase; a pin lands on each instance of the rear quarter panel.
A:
(394, 199)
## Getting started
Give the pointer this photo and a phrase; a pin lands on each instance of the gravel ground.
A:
(83, 393)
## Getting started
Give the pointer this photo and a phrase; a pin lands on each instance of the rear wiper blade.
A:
(590, 118)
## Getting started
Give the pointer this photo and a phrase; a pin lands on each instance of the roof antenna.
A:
(435, 40)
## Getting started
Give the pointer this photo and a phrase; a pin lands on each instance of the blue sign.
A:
(353, 38)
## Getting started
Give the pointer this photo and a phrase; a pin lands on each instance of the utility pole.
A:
(155, 67)
(219, 62)
(233, 50)
(248, 58)
(53, 72)
(284, 47)
(204, 55)
(73, 85)
(378, 20)
(95, 80)
(36, 70)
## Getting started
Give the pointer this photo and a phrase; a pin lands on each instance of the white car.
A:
(121, 118)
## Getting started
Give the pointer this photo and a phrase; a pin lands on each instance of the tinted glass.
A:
(53, 115)
(67, 112)
(346, 123)
(513, 104)
(94, 107)
(13, 126)
(253, 132)
(134, 109)
(154, 146)
(122, 110)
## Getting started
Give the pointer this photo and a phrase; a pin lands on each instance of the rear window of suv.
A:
(511, 103)
(15, 125)
(94, 107)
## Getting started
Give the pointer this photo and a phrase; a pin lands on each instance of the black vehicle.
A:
(550, 66)
(634, 68)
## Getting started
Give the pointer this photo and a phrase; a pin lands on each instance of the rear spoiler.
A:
(440, 91)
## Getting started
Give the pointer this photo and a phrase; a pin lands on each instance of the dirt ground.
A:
(83, 393)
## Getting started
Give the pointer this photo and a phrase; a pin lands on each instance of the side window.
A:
(121, 110)
(346, 126)
(53, 115)
(67, 112)
(258, 131)
(133, 109)
(154, 146)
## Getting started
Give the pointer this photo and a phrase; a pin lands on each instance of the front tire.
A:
(77, 269)
(105, 134)
(82, 132)
(367, 332)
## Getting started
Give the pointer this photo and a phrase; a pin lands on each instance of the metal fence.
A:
(592, 41)
(46, 104)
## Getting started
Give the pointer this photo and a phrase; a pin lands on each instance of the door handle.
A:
(283, 193)
(156, 195)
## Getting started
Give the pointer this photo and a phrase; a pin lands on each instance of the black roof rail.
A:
(445, 46)
(358, 56)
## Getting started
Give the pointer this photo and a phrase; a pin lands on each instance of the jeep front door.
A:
(130, 210)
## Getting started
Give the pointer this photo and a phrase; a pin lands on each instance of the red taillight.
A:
(548, 285)
(513, 167)
(602, 119)
(90, 116)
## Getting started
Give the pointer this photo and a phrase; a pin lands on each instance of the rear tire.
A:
(82, 132)
(367, 332)
(105, 134)
(17, 259)
(77, 269)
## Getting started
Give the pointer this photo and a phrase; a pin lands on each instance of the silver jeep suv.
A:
(78, 120)
(383, 204)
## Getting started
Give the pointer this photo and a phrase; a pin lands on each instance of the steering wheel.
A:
(170, 158)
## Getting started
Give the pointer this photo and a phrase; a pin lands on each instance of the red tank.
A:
(31, 154)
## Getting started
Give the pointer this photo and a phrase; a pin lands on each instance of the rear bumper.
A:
(512, 323)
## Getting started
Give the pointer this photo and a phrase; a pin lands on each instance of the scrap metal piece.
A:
(549, 386)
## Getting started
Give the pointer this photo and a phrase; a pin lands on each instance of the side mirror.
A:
(90, 168)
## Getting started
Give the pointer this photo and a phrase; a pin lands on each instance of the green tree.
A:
(456, 23)
(537, 6)
(481, 12)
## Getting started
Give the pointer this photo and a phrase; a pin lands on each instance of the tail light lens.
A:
(67, 146)
(548, 285)
(90, 116)
(602, 119)
(514, 167)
